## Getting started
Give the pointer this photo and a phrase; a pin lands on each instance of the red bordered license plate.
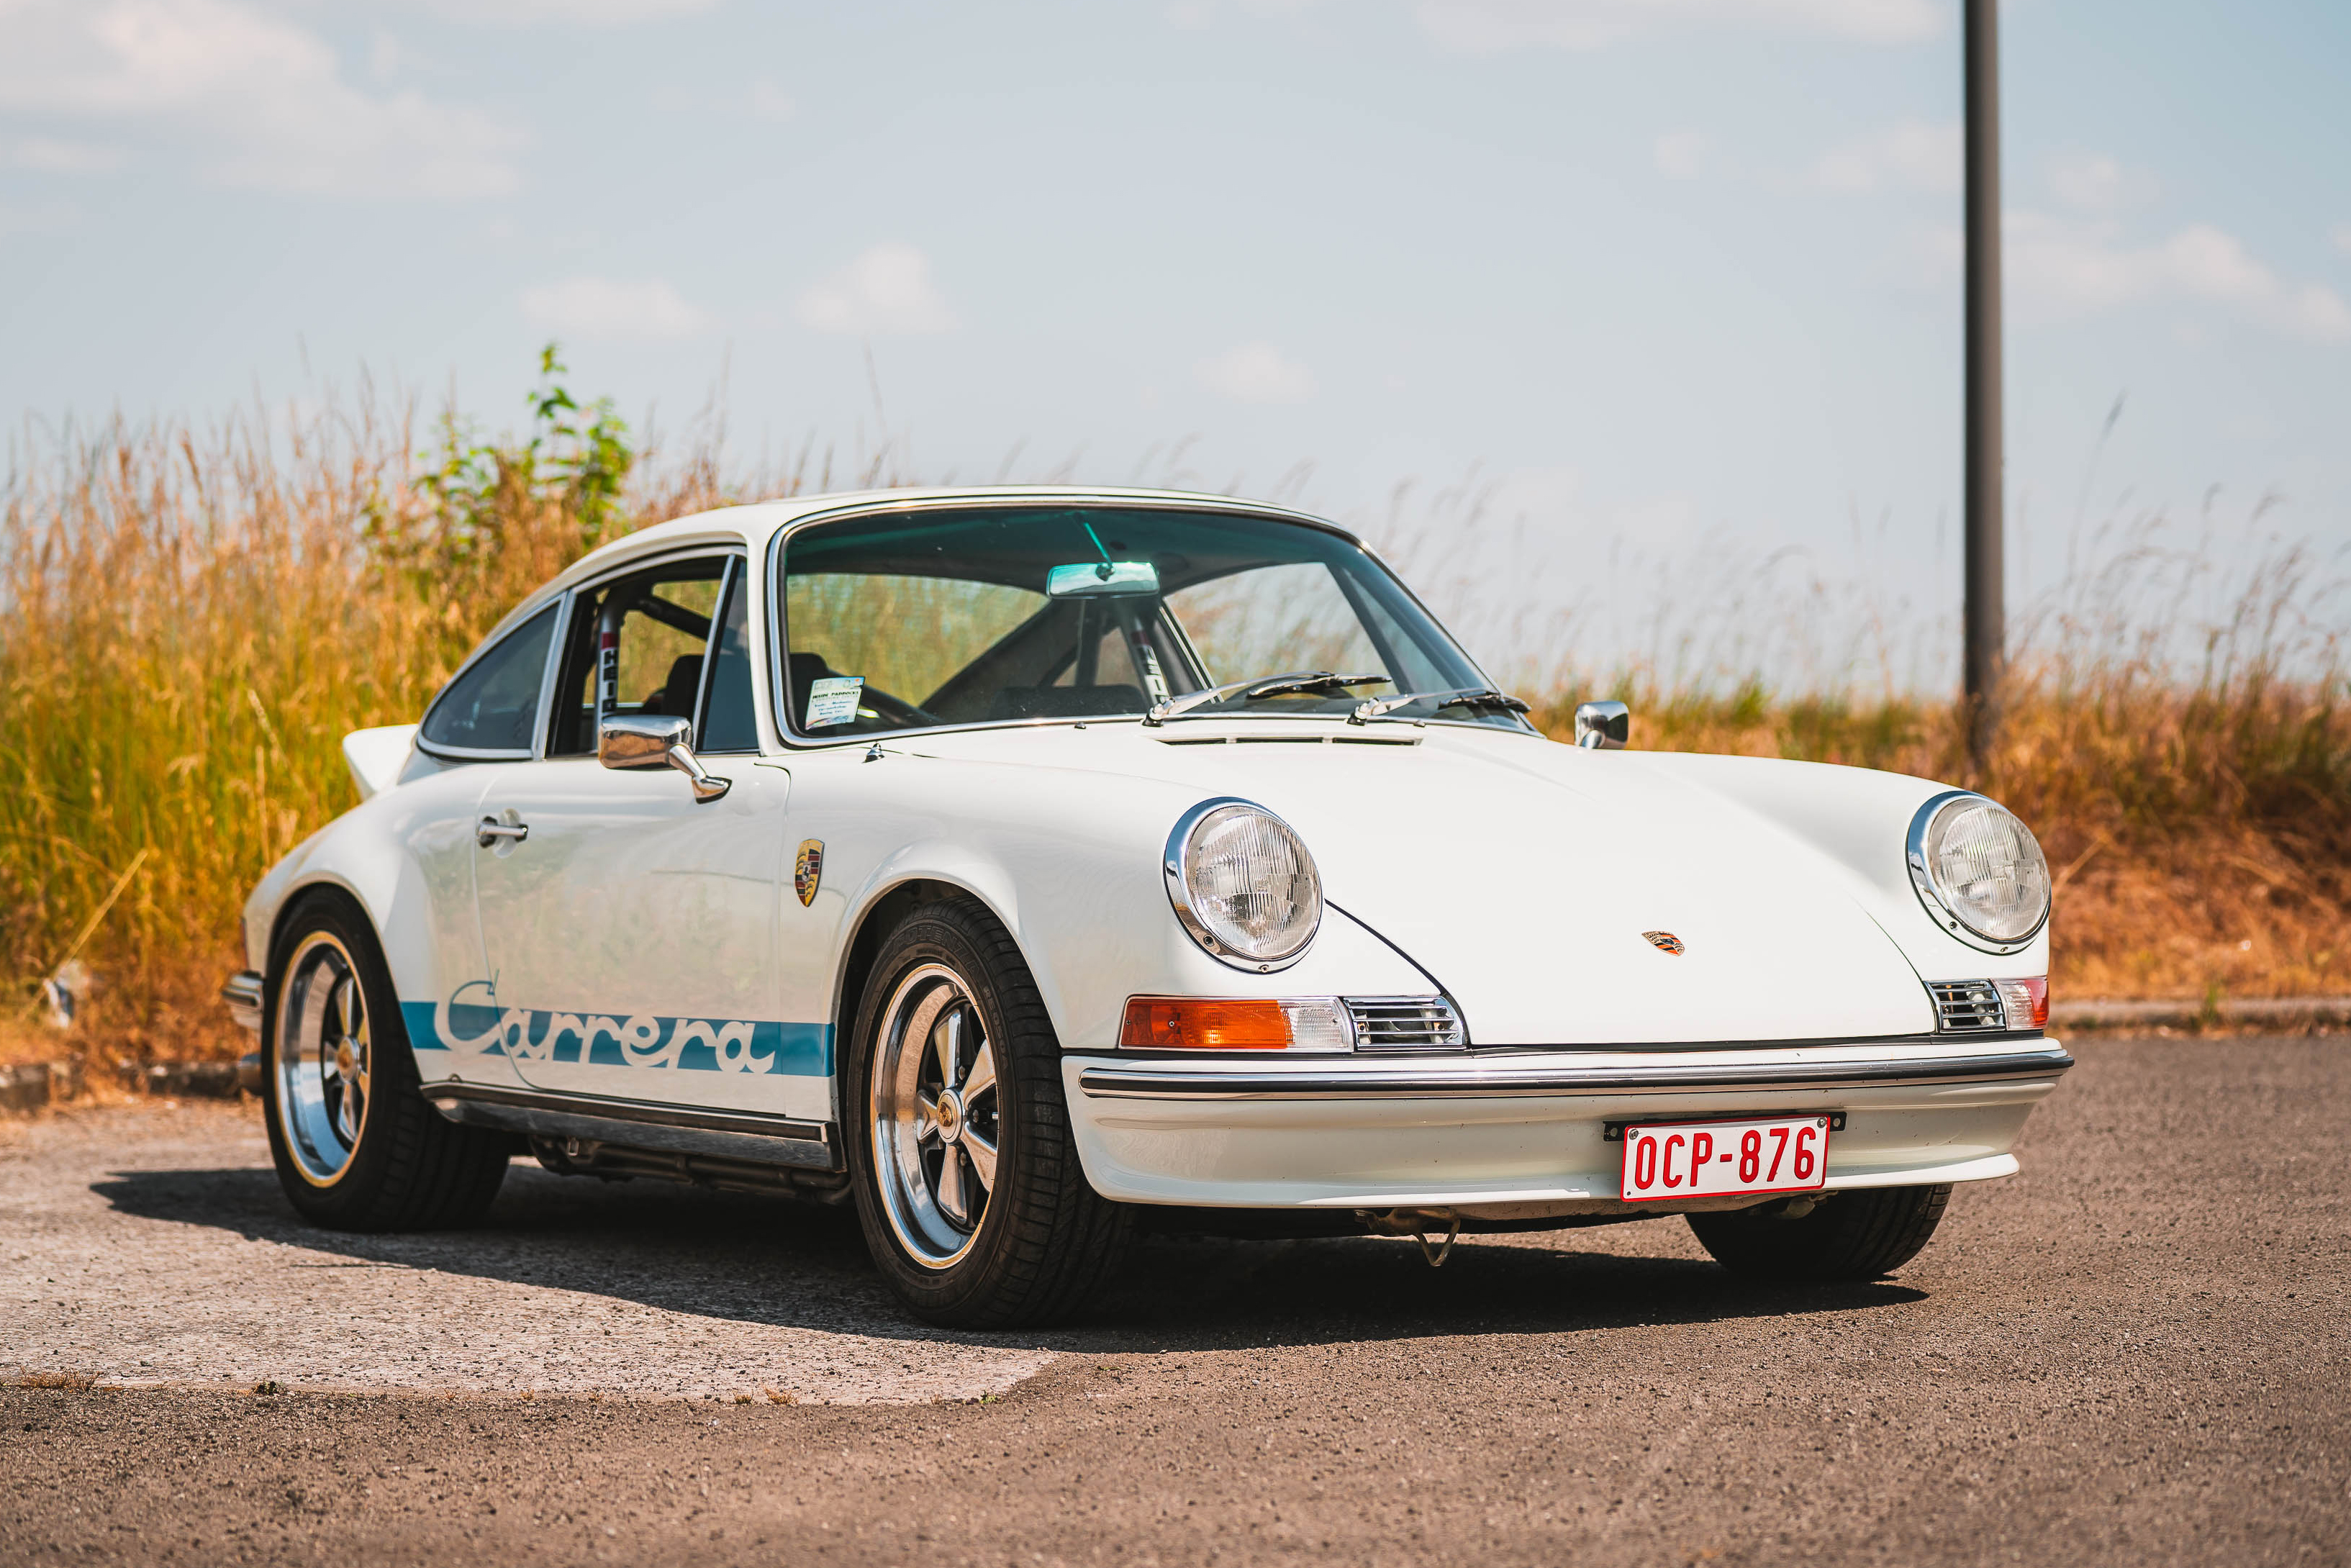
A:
(1725, 1159)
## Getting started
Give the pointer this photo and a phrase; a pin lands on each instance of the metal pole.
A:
(1985, 617)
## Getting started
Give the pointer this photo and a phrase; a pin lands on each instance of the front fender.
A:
(1071, 867)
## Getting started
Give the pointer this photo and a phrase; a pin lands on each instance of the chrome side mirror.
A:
(654, 740)
(1602, 726)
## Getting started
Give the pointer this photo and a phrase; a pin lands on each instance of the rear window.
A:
(493, 706)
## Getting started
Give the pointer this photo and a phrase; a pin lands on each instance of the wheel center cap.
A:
(950, 1116)
(345, 1060)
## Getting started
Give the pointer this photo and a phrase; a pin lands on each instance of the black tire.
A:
(1846, 1235)
(1042, 1241)
(399, 1164)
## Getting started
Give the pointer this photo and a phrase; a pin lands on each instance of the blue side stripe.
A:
(687, 1044)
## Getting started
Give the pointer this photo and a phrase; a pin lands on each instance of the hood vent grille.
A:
(1406, 1023)
(1964, 1007)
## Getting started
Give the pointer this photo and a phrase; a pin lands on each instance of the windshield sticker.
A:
(832, 700)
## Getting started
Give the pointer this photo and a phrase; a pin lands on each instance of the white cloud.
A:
(1680, 154)
(769, 102)
(2061, 267)
(51, 217)
(888, 290)
(48, 155)
(1912, 153)
(1256, 372)
(644, 311)
(266, 98)
(1480, 26)
(2096, 183)
(566, 13)
(1545, 495)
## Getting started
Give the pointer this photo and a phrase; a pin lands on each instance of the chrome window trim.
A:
(1931, 892)
(737, 575)
(520, 617)
(779, 646)
(550, 677)
(1171, 866)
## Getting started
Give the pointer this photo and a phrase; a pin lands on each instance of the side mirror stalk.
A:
(631, 741)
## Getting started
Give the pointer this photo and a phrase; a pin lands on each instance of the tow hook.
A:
(1417, 1223)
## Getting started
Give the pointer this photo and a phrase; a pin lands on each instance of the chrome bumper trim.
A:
(241, 992)
(735, 1134)
(1395, 1081)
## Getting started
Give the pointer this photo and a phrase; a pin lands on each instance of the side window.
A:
(494, 705)
(649, 631)
(729, 721)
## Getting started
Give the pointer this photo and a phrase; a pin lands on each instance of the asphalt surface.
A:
(2138, 1351)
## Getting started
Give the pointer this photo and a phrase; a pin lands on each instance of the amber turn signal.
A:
(1183, 1023)
(2025, 999)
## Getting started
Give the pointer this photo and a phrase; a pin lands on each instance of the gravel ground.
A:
(2136, 1352)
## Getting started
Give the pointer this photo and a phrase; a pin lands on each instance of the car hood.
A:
(1527, 878)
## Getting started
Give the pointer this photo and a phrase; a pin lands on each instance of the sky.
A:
(1667, 292)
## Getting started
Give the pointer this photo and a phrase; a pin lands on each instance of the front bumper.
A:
(1518, 1135)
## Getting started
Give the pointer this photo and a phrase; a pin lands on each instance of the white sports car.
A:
(1051, 863)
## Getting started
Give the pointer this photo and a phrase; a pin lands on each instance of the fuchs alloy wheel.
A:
(968, 1178)
(936, 1117)
(1857, 1235)
(356, 1145)
(322, 1065)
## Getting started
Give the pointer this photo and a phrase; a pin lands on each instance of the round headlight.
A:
(1243, 884)
(1978, 871)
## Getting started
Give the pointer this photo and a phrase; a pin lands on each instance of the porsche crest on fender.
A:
(1663, 941)
(807, 869)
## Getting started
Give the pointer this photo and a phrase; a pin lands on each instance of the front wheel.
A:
(356, 1145)
(967, 1175)
(1856, 1235)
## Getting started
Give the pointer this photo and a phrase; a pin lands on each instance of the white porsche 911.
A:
(1047, 863)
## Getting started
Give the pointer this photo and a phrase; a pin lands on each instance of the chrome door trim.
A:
(1489, 1079)
(738, 1135)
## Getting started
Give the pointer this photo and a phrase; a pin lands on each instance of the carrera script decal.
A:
(604, 1040)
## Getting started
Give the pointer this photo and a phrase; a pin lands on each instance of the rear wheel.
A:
(356, 1145)
(968, 1180)
(1843, 1236)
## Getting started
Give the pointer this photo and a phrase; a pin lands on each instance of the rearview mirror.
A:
(1090, 579)
(631, 740)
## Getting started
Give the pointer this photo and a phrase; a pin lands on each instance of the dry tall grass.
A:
(192, 621)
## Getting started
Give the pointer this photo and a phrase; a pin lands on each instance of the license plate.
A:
(1725, 1159)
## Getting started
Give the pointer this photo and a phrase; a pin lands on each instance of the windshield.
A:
(909, 620)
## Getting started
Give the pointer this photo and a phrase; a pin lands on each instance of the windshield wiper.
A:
(1262, 687)
(1460, 696)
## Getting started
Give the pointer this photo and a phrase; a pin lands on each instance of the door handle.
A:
(491, 831)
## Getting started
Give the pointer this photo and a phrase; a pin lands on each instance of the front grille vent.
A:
(1406, 1023)
(1966, 1005)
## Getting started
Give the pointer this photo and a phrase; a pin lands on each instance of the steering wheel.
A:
(897, 710)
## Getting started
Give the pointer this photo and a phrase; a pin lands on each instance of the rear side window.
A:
(494, 705)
